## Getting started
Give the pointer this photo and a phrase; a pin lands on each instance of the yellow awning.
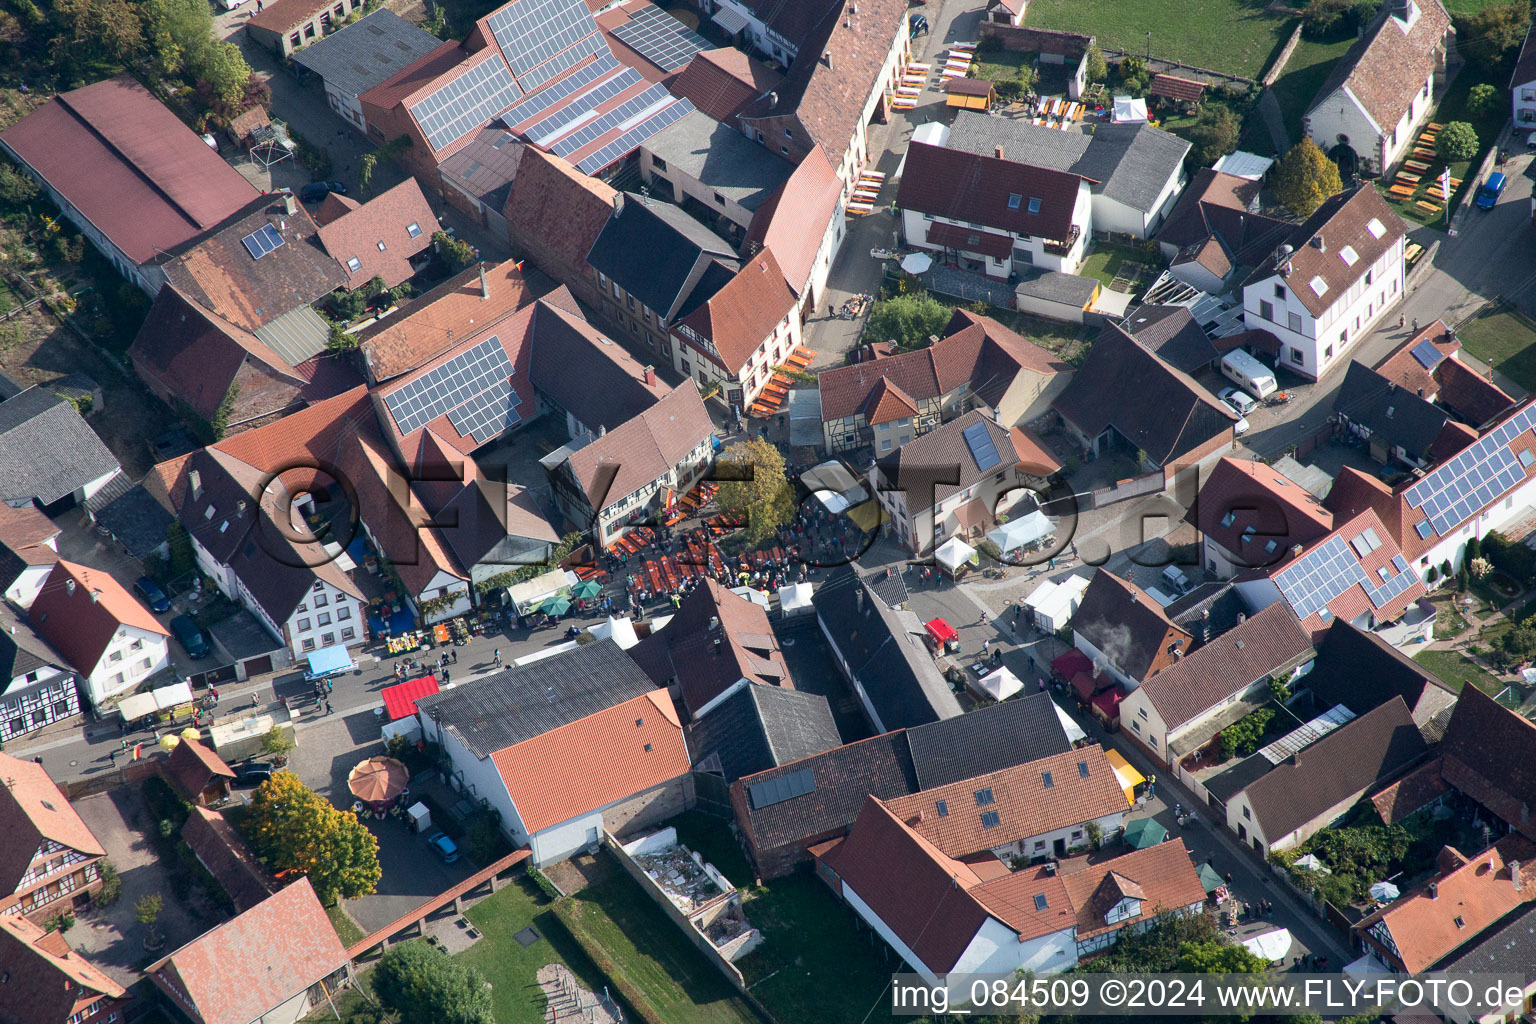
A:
(967, 102)
(1128, 777)
(868, 516)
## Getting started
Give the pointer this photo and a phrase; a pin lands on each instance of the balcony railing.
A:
(1064, 246)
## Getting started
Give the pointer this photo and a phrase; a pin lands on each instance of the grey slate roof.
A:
(46, 449)
(134, 518)
(360, 56)
(721, 158)
(1172, 333)
(987, 740)
(519, 703)
(1055, 286)
(21, 649)
(242, 636)
(652, 248)
(761, 727)
(1131, 162)
(895, 668)
(1363, 672)
(1393, 414)
(1507, 948)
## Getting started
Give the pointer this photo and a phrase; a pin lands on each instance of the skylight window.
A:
(985, 797)
(381, 247)
(1082, 768)
(1228, 519)
(1045, 777)
(1319, 285)
(1034, 205)
(943, 809)
(990, 819)
(1040, 901)
(1375, 227)
(354, 264)
(1348, 255)
(413, 229)
(1014, 199)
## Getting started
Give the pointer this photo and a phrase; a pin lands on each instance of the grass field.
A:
(1304, 75)
(1457, 670)
(347, 930)
(1235, 36)
(1506, 340)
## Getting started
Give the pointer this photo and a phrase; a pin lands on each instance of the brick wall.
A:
(650, 808)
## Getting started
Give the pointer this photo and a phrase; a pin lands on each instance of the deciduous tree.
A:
(909, 319)
(1493, 32)
(1457, 141)
(1218, 958)
(295, 829)
(1483, 98)
(1215, 133)
(1305, 178)
(753, 482)
(1098, 68)
(424, 985)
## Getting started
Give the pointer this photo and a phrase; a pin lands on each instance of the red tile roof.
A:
(1386, 68)
(129, 166)
(1411, 793)
(928, 185)
(396, 518)
(966, 239)
(1241, 496)
(283, 945)
(47, 982)
(1161, 876)
(221, 850)
(722, 82)
(25, 527)
(1450, 383)
(644, 449)
(793, 221)
(627, 749)
(79, 611)
(193, 766)
(1353, 601)
(744, 313)
(1183, 89)
(561, 209)
(1034, 457)
(887, 402)
(33, 809)
(414, 77)
(400, 699)
(1341, 222)
(377, 235)
(282, 15)
(1489, 753)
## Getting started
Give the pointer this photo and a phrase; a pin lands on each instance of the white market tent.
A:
(795, 599)
(954, 553)
(1129, 110)
(621, 630)
(934, 133)
(834, 486)
(527, 596)
(1024, 530)
(1000, 684)
(1272, 946)
(757, 597)
(141, 704)
(1055, 602)
(1074, 731)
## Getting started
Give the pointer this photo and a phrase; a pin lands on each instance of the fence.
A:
(1124, 490)
(131, 772)
(1156, 64)
(493, 877)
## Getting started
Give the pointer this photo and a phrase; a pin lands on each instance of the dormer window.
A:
(355, 265)
(1228, 519)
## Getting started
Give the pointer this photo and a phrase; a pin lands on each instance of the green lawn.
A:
(508, 966)
(1457, 670)
(814, 963)
(1305, 73)
(1505, 339)
(1106, 260)
(1235, 36)
(347, 930)
(619, 923)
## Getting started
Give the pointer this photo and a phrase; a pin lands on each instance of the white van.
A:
(1249, 374)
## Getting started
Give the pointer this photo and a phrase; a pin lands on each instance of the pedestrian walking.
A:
(113, 755)
(1229, 877)
(215, 691)
(328, 707)
(455, 653)
(445, 677)
(496, 655)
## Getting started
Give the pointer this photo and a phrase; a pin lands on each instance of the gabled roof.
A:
(282, 15)
(1155, 407)
(488, 515)
(442, 319)
(1029, 799)
(1129, 163)
(1388, 65)
(758, 728)
(722, 82)
(747, 310)
(977, 189)
(719, 157)
(1489, 753)
(193, 766)
(189, 351)
(1507, 946)
(1160, 876)
(1171, 332)
(1130, 629)
(880, 648)
(1396, 417)
(283, 945)
(1242, 499)
(415, 77)
(486, 166)
(129, 166)
(47, 450)
(220, 272)
(942, 462)
(1264, 645)
(559, 206)
(395, 517)
(623, 750)
(1362, 671)
(1347, 222)
(1353, 573)
(642, 449)
(887, 402)
(989, 739)
(79, 610)
(1348, 761)
(794, 220)
(22, 650)
(32, 810)
(47, 981)
(360, 56)
(654, 251)
(25, 528)
(714, 640)
(1216, 203)
(520, 702)
(1525, 66)
(1446, 380)
(382, 235)
(1467, 896)
(221, 850)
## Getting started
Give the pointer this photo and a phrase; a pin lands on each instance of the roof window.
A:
(1034, 204)
(1319, 285)
(1375, 227)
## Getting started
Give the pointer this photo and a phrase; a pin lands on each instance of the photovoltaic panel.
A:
(630, 141)
(489, 414)
(660, 38)
(529, 32)
(449, 386)
(582, 106)
(1428, 356)
(631, 109)
(787, 787)
(1456, 490)
(981, 446)
(542, 100)
(465, 103)
(1313, 581)
(263, 240)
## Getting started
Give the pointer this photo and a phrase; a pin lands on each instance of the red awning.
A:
(941, 632)
(400, 699)
(1071, 663)
(1108, 702)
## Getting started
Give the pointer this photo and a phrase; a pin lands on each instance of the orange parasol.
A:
(378, 780)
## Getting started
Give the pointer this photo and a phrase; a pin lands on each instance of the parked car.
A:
(1239, 402)
(153, 596)
(189, 636)
(318, 190)
(444, 847)
(253, 773)
(1488, 195)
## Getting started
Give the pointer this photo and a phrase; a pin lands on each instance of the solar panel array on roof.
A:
(631, 109)
(542, 100)
(660, 38)
(982, 449)
(1315, 579)
(785, 787)
(489, 414)
(582, 107)
(462, 379)
(263, 240)
(465, 103)
(591, 46)
(1366, 542)
(529, 32)
(1452, 492)
(630, 141)
(1428, 356)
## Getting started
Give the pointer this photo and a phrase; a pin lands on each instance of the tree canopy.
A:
(1306, 177)
(1215, 957)
(1457, 141)
(295, 829)
(1215, 133)
(909, 319)
(753, 482)
(424, 985)
(1491, 33)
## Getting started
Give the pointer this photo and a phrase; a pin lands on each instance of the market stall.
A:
(1054, 602)
(328, 661)
(400, 706)
(622, 631)
(795, 599)
(954, 553)
(1024, 532)
(942, 635)
(1074, 731)
(999, 684)
(167, 702)
(1128, 777)
(528, 596)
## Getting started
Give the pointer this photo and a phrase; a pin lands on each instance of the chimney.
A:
(485, 286)
(650, 375)
(618, 203)
(1318, 244)
(714, 623)
(858, 599)
(773, 100)
(997, 151)
(1296, 549)
(290, 204)
(69, 586)
(1241, 618)
(195, 481)
(1514, 875)
(826, 59)
(1434, 890)
(95, 596)
(1421, 392)
(717, 647)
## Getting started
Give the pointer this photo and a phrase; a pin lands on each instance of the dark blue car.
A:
(153, 596)
(190, 637)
